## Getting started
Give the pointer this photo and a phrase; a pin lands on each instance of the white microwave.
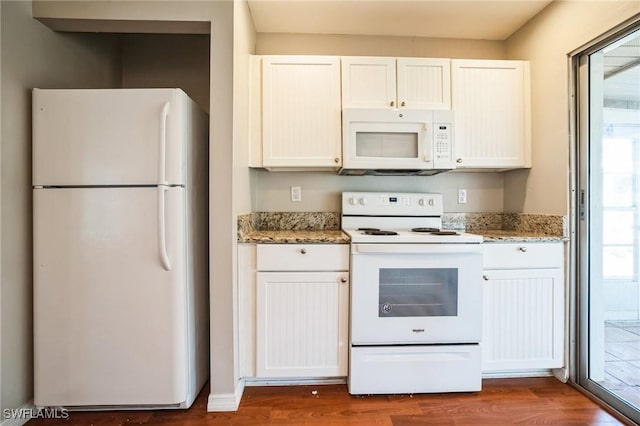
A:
(396, 141)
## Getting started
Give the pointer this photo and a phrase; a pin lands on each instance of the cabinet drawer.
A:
(523, 255)
(302, 257)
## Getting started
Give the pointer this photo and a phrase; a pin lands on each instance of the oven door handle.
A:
(416, 249)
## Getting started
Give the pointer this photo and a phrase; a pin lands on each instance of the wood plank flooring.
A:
(531, 401)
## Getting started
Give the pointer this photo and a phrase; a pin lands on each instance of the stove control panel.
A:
(391, 204)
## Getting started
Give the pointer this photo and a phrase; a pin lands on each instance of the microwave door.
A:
(387, 146)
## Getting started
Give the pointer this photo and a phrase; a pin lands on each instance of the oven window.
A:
(419, 292)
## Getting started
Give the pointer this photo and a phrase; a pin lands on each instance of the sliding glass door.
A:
(608, 219)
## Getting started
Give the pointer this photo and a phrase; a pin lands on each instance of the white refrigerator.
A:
(120, 248)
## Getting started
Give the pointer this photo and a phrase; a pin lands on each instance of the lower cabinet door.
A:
(302, 324)
(523, 320)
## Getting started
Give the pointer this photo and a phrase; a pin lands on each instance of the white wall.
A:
(244, 44)
(321, 191)
(357, 45)
(546, 41)
(244, 39)
(188, 16)
(32, 56)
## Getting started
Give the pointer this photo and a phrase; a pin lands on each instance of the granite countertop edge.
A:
(502, 236)
(339, 237)
(296, 237)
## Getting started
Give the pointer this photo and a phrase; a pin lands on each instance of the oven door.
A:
(416, 293)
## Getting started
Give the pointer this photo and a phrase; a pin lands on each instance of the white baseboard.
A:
(18, 416)
(225, 401)
(561, 374)
(516, 374)
(296, 382)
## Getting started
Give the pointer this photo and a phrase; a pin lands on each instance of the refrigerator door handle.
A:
(162, 231)
(162, 152)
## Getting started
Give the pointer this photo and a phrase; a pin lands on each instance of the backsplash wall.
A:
(321, 192)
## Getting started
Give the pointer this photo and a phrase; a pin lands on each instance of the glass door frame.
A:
(581, 105)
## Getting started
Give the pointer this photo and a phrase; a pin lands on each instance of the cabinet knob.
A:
(303, 251)
(392, 103)
(343, 280)
(459, 160)
(403, 103)
(336, 160)
(486, 278)
(522, 249)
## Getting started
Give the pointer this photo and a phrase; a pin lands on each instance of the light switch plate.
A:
(462, 196)
(296, 193)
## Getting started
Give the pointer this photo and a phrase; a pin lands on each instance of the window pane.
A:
(617, 262)
(617, 190)
(617, 227)
(617, 155)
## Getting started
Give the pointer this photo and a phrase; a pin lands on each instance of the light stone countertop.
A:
(323, 227)
(296, 237)
(498, 236)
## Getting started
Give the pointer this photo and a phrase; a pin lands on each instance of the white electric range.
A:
(416, 296)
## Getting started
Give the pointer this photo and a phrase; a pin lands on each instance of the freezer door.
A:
(108, 137)
(109, 319)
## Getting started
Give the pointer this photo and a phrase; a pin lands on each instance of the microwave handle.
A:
(427, 151)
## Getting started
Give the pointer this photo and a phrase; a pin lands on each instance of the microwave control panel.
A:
(442, 148)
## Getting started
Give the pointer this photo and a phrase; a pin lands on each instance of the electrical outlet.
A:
(462, 196)
(296, 193)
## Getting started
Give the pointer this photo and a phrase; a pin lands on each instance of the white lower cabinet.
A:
(302, 311)
(523, 307)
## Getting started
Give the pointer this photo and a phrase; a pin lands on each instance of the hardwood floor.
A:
(501, 402)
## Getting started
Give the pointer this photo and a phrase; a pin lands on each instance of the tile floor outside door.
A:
(622, 360)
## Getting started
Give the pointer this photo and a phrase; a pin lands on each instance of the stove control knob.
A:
(353, 201)
(422, 202)
(363, 201)
(431, 202)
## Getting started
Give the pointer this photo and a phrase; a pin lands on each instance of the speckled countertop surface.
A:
(499, 236)
(296, 237)
(324, 227)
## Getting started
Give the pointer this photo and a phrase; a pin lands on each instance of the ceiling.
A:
(622, 70)
(471, 19)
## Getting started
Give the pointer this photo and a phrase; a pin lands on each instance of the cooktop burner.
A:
(368, 229)
(445, 233)
(429, 230)
(379, 232)
(433, 231)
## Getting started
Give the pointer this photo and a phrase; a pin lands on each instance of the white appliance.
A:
(416, 296)
(396, 142)
(120, 257)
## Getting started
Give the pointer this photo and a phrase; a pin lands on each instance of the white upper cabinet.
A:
(491, 101)
(301, 113)
(424, 83)
(380, 82)
(368, 82)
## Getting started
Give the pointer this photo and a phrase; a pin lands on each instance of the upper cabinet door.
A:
(491, 101)
(368, 82)
(424, 83)
(301, 114)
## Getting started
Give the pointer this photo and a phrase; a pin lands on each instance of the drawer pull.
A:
(522, 249)
(303, 251)
(343, 280)
(486, 278)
